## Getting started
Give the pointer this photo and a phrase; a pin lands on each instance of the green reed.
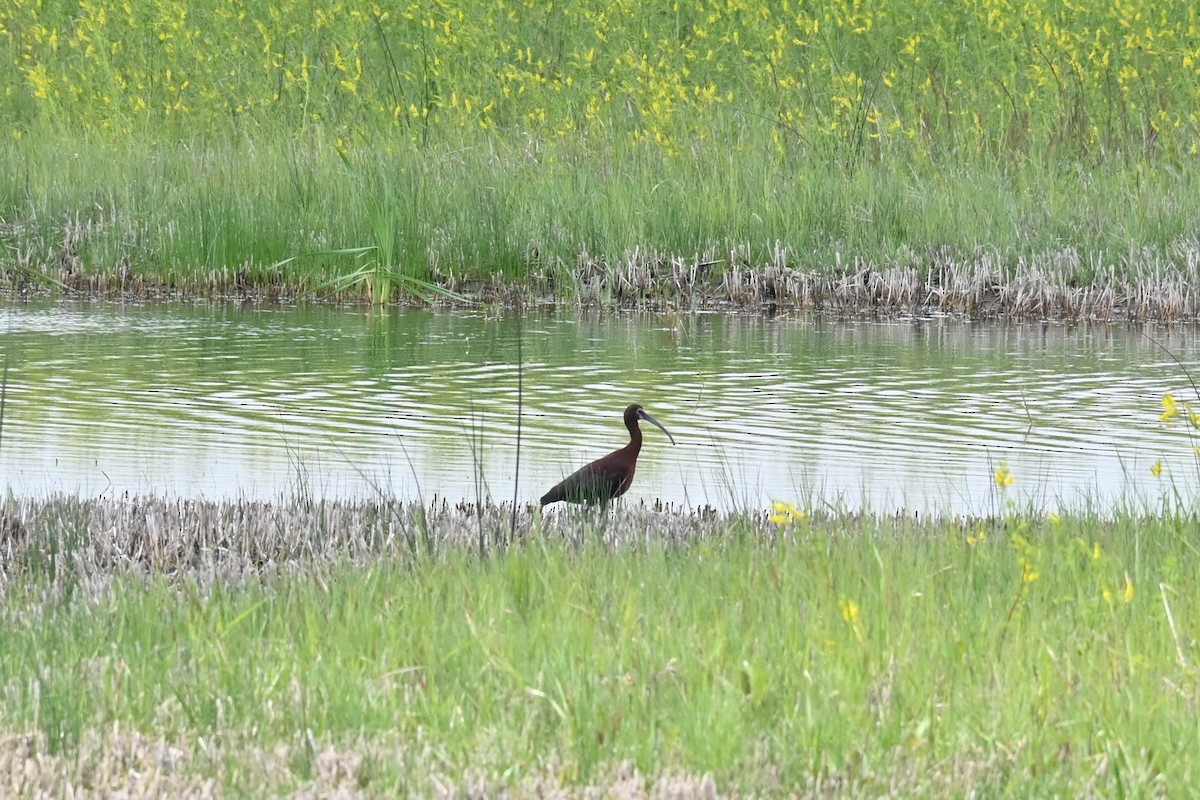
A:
(299, 214)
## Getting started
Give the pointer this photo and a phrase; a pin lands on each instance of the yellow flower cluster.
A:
(1029, 555)
(1172, 409)
(784, 513)
(993, 74)
(1003, 476)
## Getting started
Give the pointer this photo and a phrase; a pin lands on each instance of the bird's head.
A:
(635, 412)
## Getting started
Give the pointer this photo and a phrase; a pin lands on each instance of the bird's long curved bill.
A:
(656, 424)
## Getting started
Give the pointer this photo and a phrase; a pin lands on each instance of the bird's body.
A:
(609, 477)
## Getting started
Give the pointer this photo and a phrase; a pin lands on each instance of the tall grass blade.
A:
(512, 526)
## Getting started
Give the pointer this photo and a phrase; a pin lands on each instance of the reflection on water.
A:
(197, 401)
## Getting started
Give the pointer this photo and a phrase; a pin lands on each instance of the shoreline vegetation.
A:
(981, 161)
(972, 244)
(325, 648)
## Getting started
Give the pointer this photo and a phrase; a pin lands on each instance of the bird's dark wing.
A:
(598, 482)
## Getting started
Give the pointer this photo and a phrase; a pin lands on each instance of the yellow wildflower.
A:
(849, 610)
(1004, 478)
(784, 513)
(1172, 409)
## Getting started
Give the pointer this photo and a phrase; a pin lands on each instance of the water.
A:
(199, 401)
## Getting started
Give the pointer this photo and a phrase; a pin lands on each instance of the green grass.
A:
(181, 213)
(869, 655)
(151, 144)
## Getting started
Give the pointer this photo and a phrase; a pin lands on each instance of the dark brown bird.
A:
(610, 477)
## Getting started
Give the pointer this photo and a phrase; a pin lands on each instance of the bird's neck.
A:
(635, 439)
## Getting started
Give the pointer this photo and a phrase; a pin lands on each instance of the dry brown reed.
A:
(81, 543)
(1145, 285)
(1141, 285)
(121, 761)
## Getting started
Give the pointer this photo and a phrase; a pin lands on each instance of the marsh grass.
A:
(502, 222)
(306, 646)
(377, 272)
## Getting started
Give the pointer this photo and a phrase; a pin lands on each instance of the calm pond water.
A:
(219, 401)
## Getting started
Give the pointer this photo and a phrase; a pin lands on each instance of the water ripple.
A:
(194, 401)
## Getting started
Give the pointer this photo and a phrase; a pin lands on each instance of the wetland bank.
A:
(1003, 603)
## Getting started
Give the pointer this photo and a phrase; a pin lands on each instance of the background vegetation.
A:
(540, 140)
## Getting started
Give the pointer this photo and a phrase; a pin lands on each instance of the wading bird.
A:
(607, 478)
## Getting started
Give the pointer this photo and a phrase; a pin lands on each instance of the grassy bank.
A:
(369, 649)
(614, 225)
(970, 159)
